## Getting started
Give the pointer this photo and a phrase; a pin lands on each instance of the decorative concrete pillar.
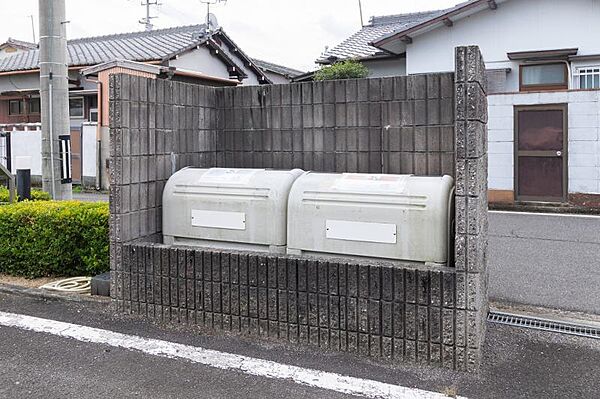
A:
(471, 202)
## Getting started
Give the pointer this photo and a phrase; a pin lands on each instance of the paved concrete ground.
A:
(545, 260)
(517, 363)
(91, 196)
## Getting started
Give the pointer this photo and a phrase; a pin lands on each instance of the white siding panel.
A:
(589, 160)
(500, 135)
(501, 123)
(501, 147)
(583, 121)
(584, 186)
(583, 133)
(583, 147)
(496, 183)
(590, 107)
(501, 171)
(584, 172)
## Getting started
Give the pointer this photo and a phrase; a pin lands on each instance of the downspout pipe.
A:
(99, 139)
(50, 127)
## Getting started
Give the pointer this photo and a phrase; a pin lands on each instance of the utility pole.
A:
(54, 94)
(147, 21)
(33, 29)
(362, 23)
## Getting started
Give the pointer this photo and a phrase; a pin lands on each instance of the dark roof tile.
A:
(357, 45)
(279, 69)
(135, 46)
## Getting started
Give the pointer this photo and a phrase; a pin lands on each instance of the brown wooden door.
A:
(76, 154)
(541, 153)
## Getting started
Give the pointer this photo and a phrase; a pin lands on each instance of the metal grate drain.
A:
(544, 324)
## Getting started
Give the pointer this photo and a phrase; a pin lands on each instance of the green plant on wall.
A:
(349, 69)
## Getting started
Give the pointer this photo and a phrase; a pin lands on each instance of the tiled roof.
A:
(357, 45)
(134, 46)
(449, 12)
(20, 44)
(279, 69)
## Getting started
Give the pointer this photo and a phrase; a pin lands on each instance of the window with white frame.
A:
(587, 77)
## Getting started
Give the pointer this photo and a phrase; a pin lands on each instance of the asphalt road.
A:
(517, 363)
(545, 260)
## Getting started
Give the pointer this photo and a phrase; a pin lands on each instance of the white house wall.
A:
(583, 134)
(201, 60)
(89, 151)
(385, 68)
(517, 25)
(276, 78)
(27, 144)
(25, 81)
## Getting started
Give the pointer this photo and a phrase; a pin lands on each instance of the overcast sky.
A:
(288, 32)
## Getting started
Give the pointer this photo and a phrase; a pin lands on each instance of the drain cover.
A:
(544, 324)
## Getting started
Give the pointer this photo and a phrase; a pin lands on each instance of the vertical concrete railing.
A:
(471, 199)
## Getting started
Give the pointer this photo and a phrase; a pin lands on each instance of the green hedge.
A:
(39, 239)
(36, 195)
(349, 69)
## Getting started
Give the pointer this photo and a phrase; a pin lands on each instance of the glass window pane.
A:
(34, 106)
(596, 82)
(590, 82)
(14, 107)
(544, 74)
(76, 107)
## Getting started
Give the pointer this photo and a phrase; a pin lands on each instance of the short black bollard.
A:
(24, 184)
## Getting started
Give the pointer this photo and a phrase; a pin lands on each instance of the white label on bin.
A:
(219, 220)
(361, 231)
(371, 182)
(229, 176)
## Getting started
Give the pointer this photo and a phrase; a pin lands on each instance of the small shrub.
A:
(349, 69)
(36, 195)
(39, 239)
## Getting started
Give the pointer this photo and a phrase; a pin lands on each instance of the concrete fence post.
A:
(471, 200)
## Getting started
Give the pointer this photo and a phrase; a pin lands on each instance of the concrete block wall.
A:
(399, 313)
(383, 125)
(156, 128)
(386, 310)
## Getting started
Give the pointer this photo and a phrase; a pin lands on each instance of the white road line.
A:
(221, 360)
(564, 215)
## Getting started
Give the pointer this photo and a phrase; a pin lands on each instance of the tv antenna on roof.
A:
(211, 20)
(147, 21)
(362, 23)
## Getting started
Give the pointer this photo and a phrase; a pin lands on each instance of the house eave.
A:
(374, 57)
(446, 20)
